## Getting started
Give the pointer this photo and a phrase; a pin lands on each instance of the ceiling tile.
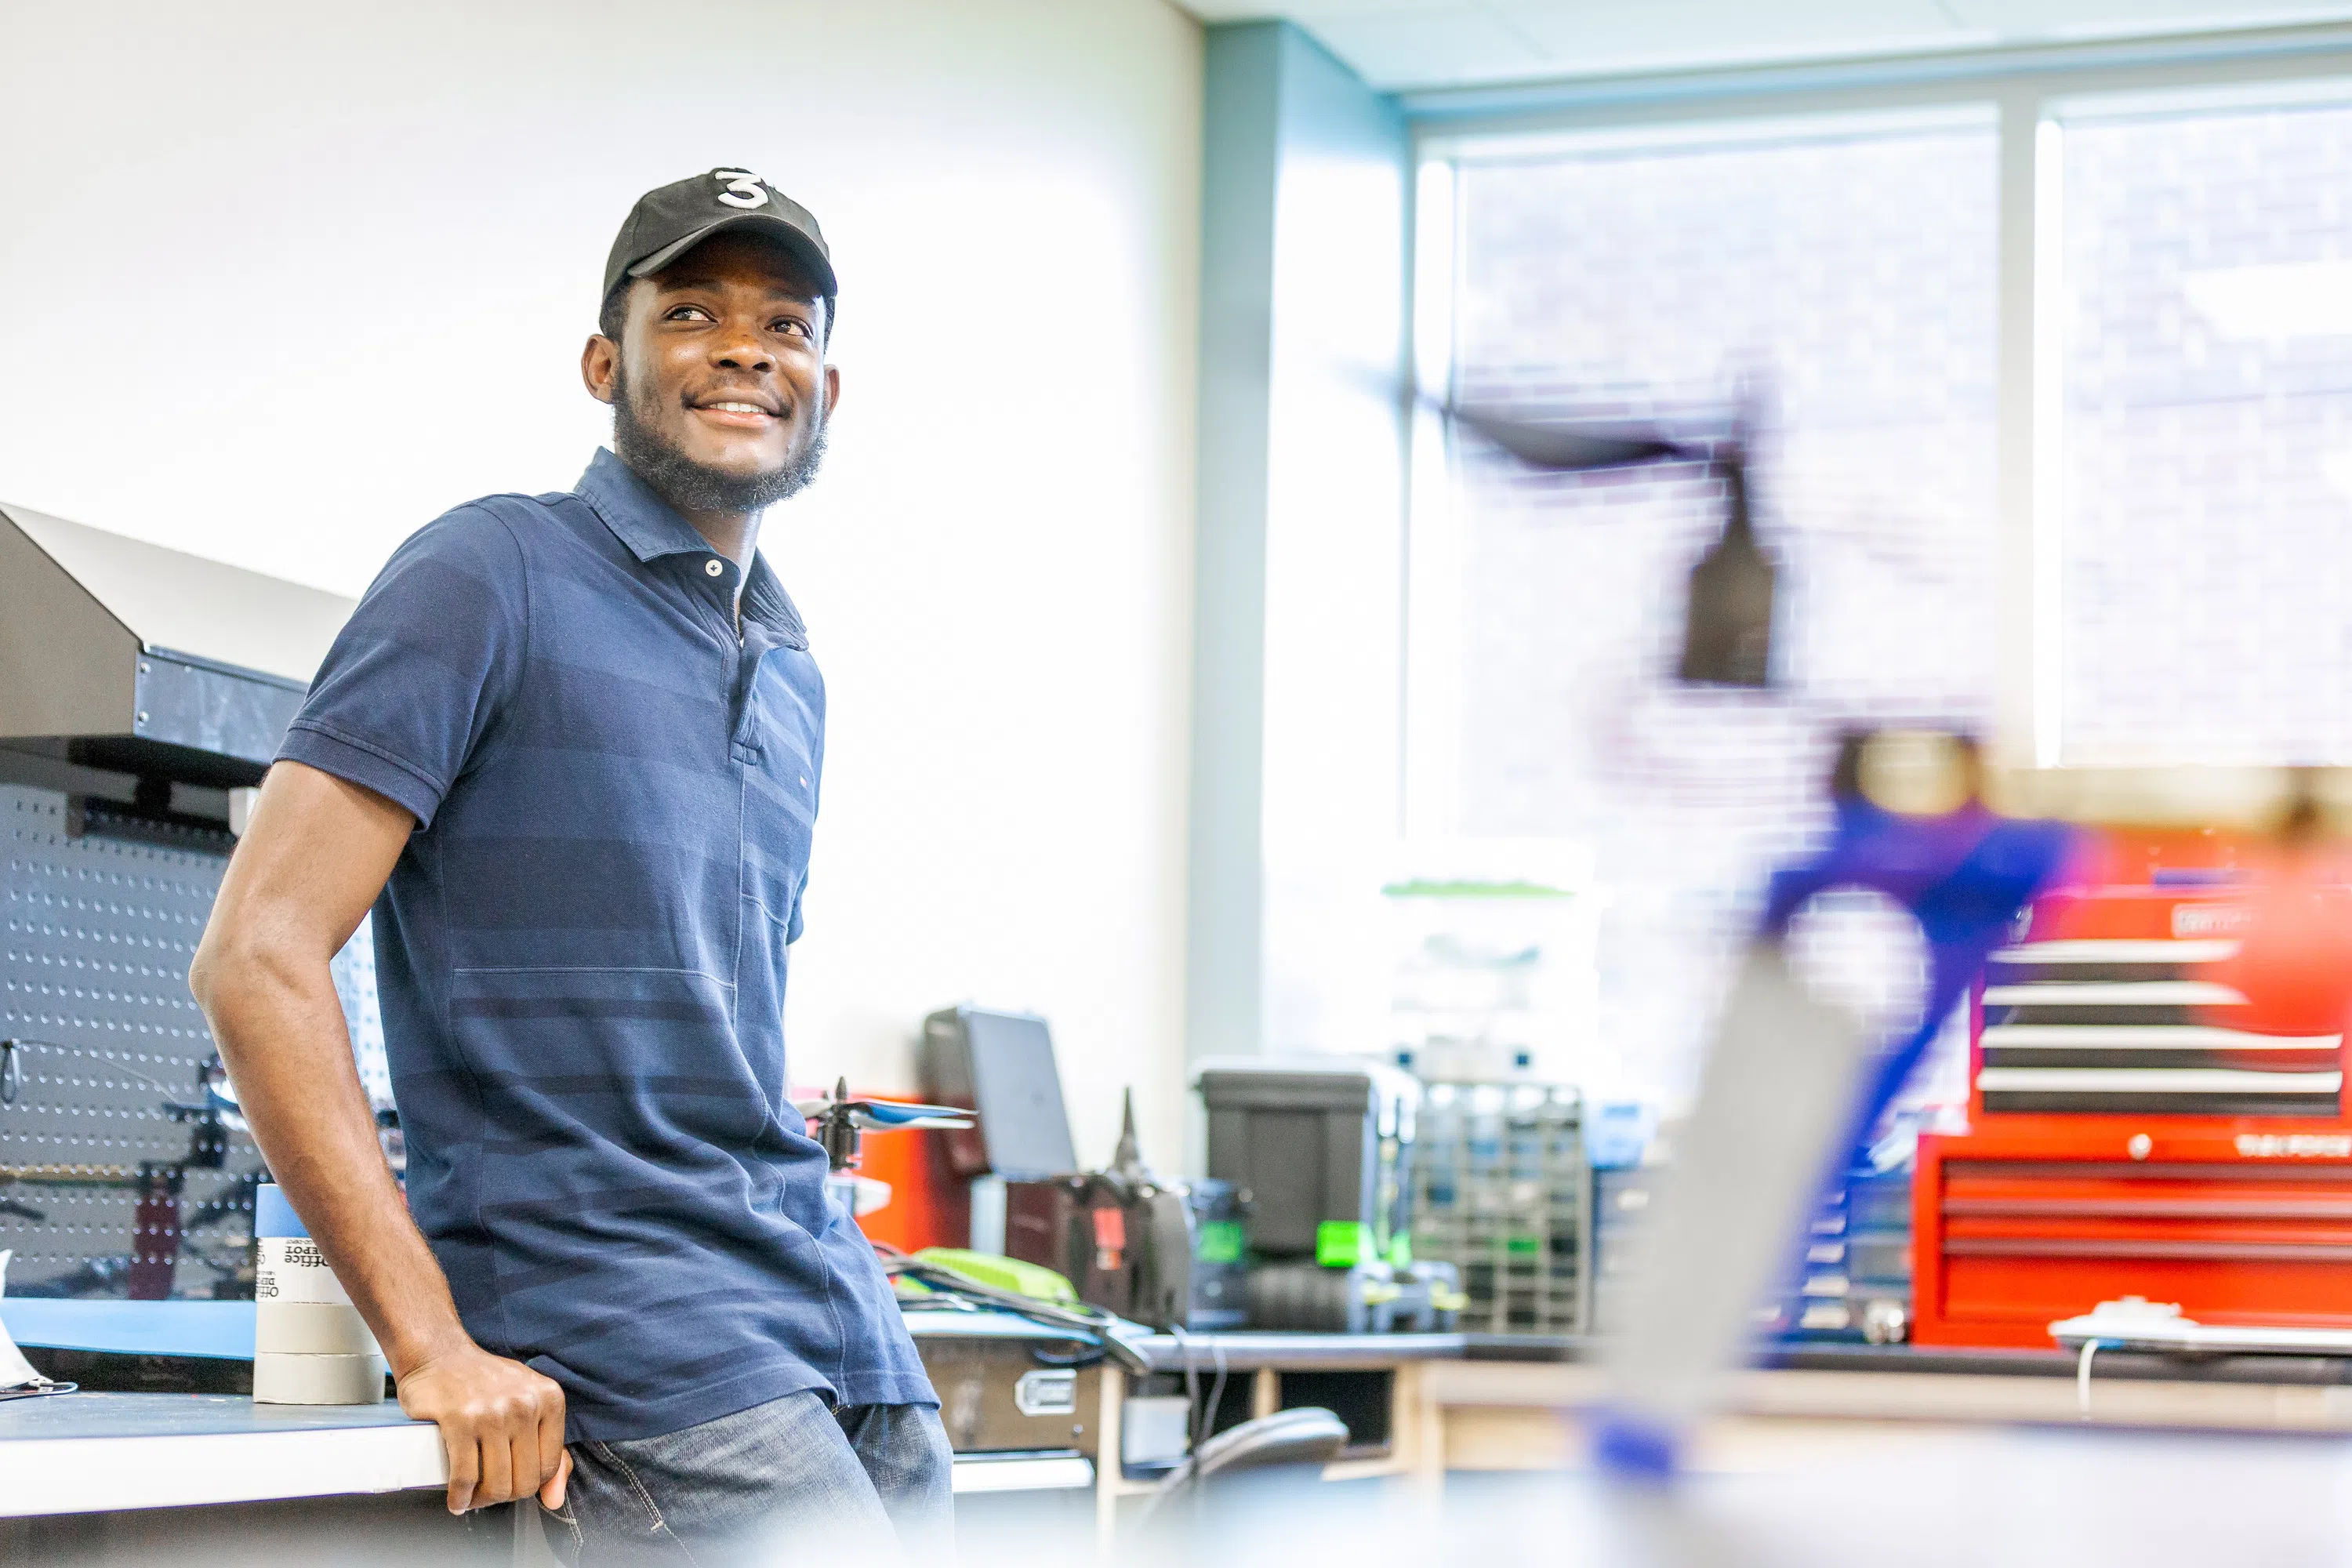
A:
(1307, 11)
(2022, 21)
(1426, 47)
(1396, 43)
(1667, 34)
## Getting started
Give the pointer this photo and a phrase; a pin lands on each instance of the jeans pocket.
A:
(654, 1524)
(563, 1530)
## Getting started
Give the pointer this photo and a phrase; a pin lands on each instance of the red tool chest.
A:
(2124, 1141)
(2019, 1225)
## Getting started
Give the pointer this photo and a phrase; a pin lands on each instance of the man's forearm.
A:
(317, 852)
(281, 1032)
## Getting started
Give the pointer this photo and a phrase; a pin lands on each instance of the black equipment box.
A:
(1170, 1256)
(1318, 1154)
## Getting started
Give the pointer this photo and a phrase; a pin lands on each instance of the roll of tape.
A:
(272, 1215)
(281, 1379)
(310, 1345)
(310, 1328)
(292, 1268)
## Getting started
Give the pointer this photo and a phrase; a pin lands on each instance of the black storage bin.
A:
(1308, 1145)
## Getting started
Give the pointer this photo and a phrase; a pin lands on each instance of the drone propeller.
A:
(883, 1115)
(840, 1120)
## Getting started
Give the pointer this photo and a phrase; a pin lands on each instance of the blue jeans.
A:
(764, 1484)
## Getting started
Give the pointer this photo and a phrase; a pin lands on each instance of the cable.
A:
(1216, 1393)
(1209, 1429)
(12, 1070)
(1192, 1383)
(1092, 1320)
(2083, 1378)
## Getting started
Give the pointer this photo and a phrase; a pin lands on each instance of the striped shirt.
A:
(581, 951)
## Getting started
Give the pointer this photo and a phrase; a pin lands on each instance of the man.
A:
(568, 748)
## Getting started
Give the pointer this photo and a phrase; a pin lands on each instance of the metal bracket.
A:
(1046, 1393)
(12, 1072)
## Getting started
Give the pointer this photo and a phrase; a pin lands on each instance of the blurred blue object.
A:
(1792, 1086)
(1619, 1134)
(223, 1330)
(1853, 1280)
(1965, 876)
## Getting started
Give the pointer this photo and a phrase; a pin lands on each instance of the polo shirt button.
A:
(713, 568)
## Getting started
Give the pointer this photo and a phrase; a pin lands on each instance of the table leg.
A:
(1107, 1471)
(1425, 1419)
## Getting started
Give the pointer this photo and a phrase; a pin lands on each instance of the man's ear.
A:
(598, 362)
(831, 389)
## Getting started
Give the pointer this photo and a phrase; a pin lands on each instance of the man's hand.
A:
(502, 1423)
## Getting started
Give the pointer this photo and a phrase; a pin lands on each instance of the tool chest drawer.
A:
(2011, 1244)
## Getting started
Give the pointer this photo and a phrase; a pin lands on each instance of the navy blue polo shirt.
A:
(582, 953)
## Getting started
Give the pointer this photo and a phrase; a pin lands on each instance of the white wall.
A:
(280, 282)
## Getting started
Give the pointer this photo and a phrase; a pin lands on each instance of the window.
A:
(2170, 583)
(1846, 274)
(2205, 599)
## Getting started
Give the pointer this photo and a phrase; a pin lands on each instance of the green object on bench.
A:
(1344, 1243)
(1039, 1284)
(1224, 1241)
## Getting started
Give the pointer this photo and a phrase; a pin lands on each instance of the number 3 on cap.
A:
(742, 188)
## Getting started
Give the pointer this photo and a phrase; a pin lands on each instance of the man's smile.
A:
(741, 410)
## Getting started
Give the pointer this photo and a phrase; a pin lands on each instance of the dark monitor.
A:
(1001, 1066)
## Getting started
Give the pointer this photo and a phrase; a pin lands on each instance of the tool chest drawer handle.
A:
(2096, 1247)
(2153, 1208)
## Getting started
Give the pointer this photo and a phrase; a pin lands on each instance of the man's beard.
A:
(688, 485)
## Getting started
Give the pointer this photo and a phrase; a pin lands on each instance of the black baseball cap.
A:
(668, 223)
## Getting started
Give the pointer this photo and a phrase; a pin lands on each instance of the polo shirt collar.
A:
(765, 601)
(652, 530)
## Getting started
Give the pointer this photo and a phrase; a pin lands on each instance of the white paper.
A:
(15, 1372)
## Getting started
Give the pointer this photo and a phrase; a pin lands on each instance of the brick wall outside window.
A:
(1853, 278)
(2207, 589)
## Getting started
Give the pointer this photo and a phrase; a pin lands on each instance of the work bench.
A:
(107, 1458)
(110, 1469)
(130, 1467)
(1372, 1382)
(1518, 1403)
